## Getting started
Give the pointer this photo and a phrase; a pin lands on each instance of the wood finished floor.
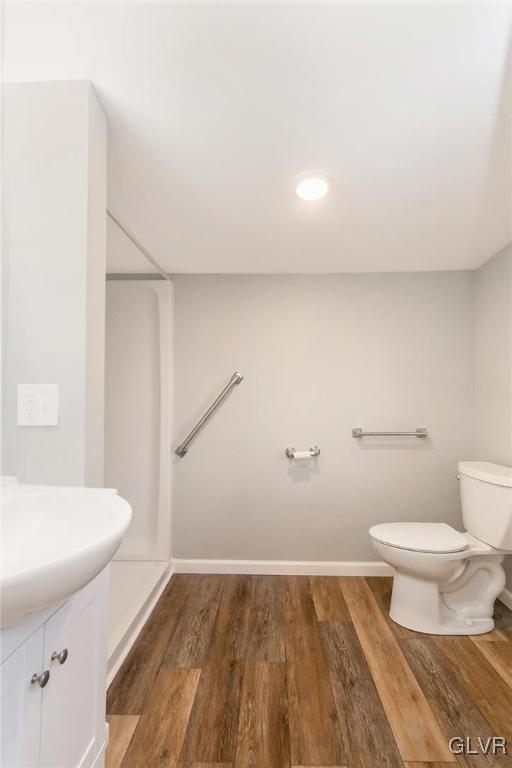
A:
(295, 671)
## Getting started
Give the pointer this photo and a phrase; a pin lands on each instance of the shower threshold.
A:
(135, 586)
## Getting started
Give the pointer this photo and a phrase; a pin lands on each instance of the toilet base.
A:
(419, 605)
(451, 626)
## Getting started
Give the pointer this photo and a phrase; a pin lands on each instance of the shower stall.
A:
(138, 411)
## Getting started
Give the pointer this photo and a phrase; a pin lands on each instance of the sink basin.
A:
(53, 542)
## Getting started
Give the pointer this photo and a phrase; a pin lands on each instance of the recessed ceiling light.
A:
(311, 188)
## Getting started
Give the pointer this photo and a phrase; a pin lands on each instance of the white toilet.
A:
(446, 582)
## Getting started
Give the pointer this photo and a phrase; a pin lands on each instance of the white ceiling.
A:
(215, 107)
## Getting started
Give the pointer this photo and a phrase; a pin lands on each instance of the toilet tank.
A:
(486, 500)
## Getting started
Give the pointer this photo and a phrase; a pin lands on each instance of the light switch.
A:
(38, 405)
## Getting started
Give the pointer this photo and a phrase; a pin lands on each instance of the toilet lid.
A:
(420, 537)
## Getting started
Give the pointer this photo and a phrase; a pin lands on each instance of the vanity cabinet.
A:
(53, 683)
(20, 705)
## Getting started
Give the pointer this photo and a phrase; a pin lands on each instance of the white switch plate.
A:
(38, 405)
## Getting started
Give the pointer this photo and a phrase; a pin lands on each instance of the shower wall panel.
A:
(138, 411)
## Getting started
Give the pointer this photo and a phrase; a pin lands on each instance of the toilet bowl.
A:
(446, 582)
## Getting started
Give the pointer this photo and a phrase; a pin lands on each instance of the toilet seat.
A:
(434, 538)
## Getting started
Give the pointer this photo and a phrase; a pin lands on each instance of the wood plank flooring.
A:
(121, 728)
(296, 671)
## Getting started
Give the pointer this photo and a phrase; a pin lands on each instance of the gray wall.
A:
(320, 355)
(493, 363)
(55, 143)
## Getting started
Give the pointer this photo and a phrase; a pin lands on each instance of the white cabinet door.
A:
(20, 704)
(73, 704)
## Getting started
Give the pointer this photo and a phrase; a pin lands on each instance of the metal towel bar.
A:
(182, 448)
(418, 432)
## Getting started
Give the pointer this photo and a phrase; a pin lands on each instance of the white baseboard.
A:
(506, 598)
(99, 760)
(284, 567)
(124, 647)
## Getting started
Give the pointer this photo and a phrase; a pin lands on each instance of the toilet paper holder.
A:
(311, 452)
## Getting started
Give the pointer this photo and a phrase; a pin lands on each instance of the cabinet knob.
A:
(42, 679)
(60, 657)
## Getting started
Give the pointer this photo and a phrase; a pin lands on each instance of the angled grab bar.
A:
(182, 448)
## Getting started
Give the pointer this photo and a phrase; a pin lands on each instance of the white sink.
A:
(53, 542)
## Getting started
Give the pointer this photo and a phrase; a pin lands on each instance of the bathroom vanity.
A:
(56, 546)
(53, 681)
